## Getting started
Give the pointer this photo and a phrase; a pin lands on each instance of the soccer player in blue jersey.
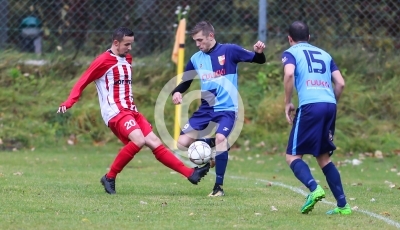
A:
(312, 71)
(216, 65)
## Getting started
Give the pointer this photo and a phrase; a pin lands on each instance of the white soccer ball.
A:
(199, 152)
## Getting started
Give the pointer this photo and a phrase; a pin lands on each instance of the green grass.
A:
(59, 188)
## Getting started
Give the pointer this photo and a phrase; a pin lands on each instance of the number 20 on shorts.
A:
(129, 124)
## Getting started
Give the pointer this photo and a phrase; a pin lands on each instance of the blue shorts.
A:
(313, 130)
(200, 120)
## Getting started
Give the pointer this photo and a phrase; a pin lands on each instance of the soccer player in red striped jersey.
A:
(111, 71)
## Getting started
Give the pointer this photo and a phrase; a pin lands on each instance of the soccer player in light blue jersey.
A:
(319, 84)
(216, 65)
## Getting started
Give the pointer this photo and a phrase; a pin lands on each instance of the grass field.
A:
(59, 188)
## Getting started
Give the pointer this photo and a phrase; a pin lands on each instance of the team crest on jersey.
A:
(221, 59)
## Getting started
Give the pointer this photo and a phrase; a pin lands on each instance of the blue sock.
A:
(209, 141)
(335, 183)
(221, 161)
(303, 173)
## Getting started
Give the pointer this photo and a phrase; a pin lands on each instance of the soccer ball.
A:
(199, 152)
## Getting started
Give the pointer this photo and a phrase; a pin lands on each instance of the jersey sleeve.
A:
(96, 70)
(240, 54)
(288, 58)
(333, 66)
(189, 72)
(188, 75)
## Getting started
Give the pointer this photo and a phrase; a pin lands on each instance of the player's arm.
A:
(240, 54)
(188, 75)
(95, 71)
(337, 80)
(289, 66)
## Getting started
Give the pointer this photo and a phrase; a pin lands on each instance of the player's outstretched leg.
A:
(166, 157)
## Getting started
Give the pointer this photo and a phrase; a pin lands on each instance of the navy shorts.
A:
(313, 130)
(224, 121)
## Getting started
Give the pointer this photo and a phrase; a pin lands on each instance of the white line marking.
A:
(302, 192)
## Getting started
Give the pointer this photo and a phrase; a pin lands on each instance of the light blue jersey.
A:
(313, 73)
(218, 74)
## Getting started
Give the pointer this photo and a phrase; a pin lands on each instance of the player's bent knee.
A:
(183, 142)
(291, 158)
(220, 138)
(137, 137)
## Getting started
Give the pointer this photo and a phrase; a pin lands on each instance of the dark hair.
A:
(299, 31)
(204, 26)
(121, 32)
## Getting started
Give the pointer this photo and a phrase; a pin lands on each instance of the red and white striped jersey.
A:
(112, 75)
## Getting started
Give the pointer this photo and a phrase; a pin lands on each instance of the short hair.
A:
(299, 31)
(121, 32)
(204, 26)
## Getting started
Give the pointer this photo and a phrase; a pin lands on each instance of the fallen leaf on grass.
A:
(257, 214)
(393, 170)
(18, 173)
(385, 213)
(392, 186)
(273, 208)
(85, 220)
(191, 214)
(269, 184)
(356, 184)
(352, 198)
(354, 208)
(143, 202)
(372, 200)
(173, 172)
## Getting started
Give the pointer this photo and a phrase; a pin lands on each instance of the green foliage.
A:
(368, 111)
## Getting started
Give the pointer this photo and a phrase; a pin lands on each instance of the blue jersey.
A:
(217, 71)
(313, 73)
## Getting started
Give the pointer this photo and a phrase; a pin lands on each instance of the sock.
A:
(303, 174)
(123, 158)
(335, 183)
(166, 157)
(209, 141)
(221, 161)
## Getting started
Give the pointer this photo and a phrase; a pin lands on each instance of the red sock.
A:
(164, 156)
(123, 158)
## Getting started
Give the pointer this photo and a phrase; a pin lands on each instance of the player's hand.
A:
(62, 109)
(177, 98)
(259, 47)
(289, 108)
